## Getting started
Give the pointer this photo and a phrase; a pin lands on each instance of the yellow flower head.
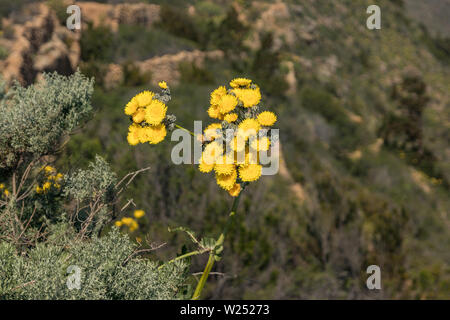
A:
(261, 144)
(139, 115)
(217, 94)
(240, 82)
(162, 84)
(212, 151)
(49, 170)
(267, 118)
(118, 223)
(214, 112)
(46, 186)
(6, 192)
(248, 127)
(213, 131)
(225, 165)
(138, 214)
(155, 112)
(250, 172)
(59, 177)
(204, 166)
(235, 190)
(249, 97)
(155, 134)
(226, 181)
(133, 226)
(38, 189)
(131, 106)
(1, 186)
(127, 220)
(231, 117)
(238, 143)
(227, 103)
(134, 134)
(144, 98)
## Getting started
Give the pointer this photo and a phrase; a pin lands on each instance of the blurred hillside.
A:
(364, 126)
(432, 13)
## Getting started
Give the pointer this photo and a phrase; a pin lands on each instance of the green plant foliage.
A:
(50, 221)
(34, 119)
(106, 270)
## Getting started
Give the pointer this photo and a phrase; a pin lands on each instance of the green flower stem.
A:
(192, 253)
(180, 127)
(212, 254)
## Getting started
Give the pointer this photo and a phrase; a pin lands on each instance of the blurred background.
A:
(364, 123)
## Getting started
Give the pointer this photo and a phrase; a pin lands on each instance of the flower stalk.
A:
(218, 246)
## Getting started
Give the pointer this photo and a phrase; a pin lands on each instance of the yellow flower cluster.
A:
(52, 179)
(234, 158)
(148, 112)
(3, 191)
(129, 222)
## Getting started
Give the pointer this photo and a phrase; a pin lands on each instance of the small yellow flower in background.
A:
(46, 186)
(139, 214)
(139, 239)
(2, 186)
(129, 222)
(52, 178)
(162, 84)
(6, 192)
(267, 118)
(133, 226)
(49, 170)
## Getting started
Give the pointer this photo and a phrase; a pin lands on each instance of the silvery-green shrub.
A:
(45, 236)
